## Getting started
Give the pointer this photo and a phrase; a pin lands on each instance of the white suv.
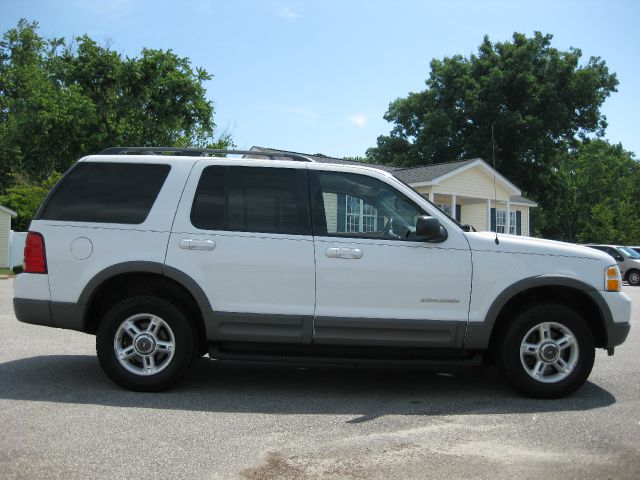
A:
(166, 254)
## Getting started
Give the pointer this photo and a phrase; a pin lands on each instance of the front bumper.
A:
(617, 333)
(617, 317)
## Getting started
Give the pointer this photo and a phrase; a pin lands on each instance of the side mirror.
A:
(429, 229)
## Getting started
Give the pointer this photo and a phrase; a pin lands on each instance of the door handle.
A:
(191, 244)
(341, 252)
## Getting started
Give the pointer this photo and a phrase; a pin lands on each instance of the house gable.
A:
(433, 175)
(8, 211)
(475, 182)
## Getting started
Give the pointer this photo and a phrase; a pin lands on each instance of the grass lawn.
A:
(5, 271)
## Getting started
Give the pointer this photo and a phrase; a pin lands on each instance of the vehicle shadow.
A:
(367, 393)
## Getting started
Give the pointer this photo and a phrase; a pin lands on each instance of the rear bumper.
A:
(49, 314)
(35, 312)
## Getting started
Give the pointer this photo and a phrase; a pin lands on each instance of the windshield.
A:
(630, 252)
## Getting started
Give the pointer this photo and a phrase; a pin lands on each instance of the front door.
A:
(376, 282)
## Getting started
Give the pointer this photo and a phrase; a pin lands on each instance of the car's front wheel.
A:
(547, 351)
(145, 343)
(634, 278)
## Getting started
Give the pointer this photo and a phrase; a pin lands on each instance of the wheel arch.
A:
(558, 289)
(139, 278)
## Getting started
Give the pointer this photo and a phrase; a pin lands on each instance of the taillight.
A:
(35, 259)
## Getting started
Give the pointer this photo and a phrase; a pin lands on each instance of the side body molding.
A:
(479, 333)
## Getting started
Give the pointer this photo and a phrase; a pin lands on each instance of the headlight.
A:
(612, 279)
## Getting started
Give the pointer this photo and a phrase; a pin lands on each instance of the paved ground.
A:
(61, 418)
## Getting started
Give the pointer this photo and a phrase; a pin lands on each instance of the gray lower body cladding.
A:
(300, 329)
(253, 327)
(65, 315)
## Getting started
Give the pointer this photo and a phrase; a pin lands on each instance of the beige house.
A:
(5, 233)
(463, 189)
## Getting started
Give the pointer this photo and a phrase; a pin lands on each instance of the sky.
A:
(317, 76)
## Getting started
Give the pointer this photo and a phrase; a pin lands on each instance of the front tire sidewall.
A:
(184, 344)
(634, 278)
(509, 352)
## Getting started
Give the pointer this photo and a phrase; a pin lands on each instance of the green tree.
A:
(25, 198)
(602, 194)
(37, 117)
(601, 227)
(60, 101)
(539, 100)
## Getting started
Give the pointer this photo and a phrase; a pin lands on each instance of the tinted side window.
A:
(207, 211)
(353, 205)
(252, 199)
(107, 193)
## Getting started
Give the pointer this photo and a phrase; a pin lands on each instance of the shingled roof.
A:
(428, 173)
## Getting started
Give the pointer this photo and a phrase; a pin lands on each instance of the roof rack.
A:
(202, 152)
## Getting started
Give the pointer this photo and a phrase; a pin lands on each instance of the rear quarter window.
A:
(106, 193)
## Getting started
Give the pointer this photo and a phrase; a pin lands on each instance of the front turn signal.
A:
(613, 279)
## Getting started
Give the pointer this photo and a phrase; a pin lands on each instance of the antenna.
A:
(495, 191)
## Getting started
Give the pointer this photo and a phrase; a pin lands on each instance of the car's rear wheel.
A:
(145, 343)
(547, 351)
(634, 278)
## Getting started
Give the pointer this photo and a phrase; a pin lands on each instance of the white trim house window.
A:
(360, 216)
(501, 221)
(513, 227)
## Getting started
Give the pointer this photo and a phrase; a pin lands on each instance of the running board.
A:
(462, 358)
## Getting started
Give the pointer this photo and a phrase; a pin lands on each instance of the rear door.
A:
(243, 233)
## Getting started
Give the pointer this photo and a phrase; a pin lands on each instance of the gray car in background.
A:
(628, 259)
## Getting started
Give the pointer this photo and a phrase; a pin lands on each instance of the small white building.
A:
(5, 235)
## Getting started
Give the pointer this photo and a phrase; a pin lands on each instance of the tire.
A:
(634, 278)
(547, 351)
(155, 339)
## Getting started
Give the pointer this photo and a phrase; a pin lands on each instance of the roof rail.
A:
(202, 152)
